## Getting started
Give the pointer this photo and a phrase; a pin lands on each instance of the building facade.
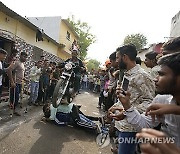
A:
(67, 37)
(175, 26)
(19, 33)
(60, 30)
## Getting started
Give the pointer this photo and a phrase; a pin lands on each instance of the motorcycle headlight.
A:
(71, 90)
(68, 66)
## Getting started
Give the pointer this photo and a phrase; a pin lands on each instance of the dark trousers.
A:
(77, 84)
(84, 85)
(51, 89)
(101, 98)
(78, 119)
(14, 95)
(91, 85)
(42, 93)
(0, 92)
(124, 147)
(109, 101)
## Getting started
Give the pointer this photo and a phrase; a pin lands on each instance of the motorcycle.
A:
(65, 85)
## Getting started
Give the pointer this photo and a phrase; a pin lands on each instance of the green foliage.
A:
(139, 40)
(93, 64)
(85, 37)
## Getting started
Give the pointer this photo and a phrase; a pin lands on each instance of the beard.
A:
(122, 65)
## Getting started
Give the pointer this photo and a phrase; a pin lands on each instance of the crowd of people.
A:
(140, 104)
(134, 99)
(40, 82)
(150, 100)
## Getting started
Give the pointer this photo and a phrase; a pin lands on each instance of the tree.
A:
(93, 64)
(85, 37)
(139, 40)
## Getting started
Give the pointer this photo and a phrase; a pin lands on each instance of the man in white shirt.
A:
(168, 86)
(84, 81)
(3, 54)
(35, 73)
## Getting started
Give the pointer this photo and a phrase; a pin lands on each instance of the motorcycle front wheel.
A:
(58, 93)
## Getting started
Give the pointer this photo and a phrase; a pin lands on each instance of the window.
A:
(68, 35)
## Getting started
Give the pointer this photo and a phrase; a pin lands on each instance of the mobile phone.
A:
(125, 84)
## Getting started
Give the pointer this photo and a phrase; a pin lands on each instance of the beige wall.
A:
(25, 33)
(9, 24)
(63, 54)
(63, 32)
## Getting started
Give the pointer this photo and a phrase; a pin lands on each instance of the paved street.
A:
(28, 135)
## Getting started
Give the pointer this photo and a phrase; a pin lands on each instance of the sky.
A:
(110, 20)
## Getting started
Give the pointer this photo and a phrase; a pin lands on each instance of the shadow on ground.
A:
(54, 138)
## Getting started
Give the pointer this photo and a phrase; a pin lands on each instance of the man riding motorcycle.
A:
(78, 69)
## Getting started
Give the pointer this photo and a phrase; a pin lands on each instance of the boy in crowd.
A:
(102, 84)
(151, 62)
(112, 80)
(55, 77)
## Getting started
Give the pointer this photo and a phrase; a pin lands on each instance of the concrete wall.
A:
(175, 25)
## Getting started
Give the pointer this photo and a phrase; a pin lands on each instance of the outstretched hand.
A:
(158, 110)
(161, 109)
(156, 147)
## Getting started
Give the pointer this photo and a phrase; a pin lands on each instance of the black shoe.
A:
(29, 103)
(79, 106)
(17, 114)
(25, 111)
(99, 106)
(36, 104)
